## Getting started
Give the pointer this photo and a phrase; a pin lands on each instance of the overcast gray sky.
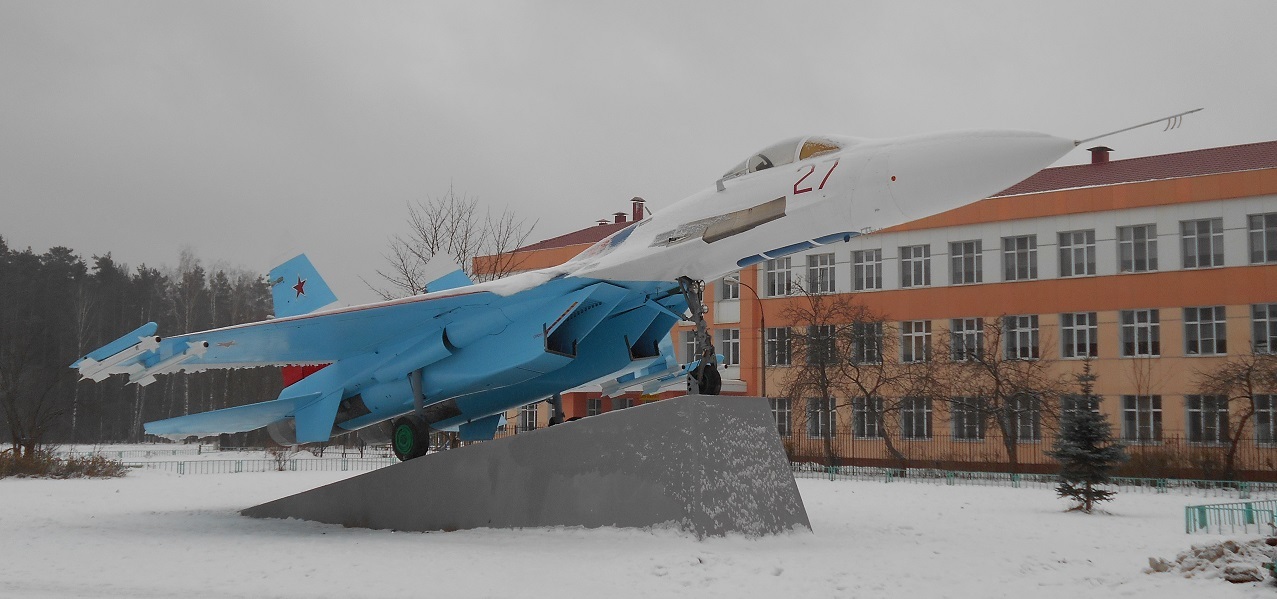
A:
(251, 131)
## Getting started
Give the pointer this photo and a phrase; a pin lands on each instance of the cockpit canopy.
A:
(789, 151)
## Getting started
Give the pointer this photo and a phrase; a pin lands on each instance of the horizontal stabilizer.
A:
(230, 420)
(443, 274)
(297, 288)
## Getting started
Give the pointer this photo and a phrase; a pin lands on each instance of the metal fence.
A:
(1262, 515)
(265, 465)
(138, 453)
(1174, 455)
(1207, 488)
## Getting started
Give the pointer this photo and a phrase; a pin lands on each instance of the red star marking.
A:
(300, 287)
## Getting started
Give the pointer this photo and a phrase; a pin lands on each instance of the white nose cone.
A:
(934, 173)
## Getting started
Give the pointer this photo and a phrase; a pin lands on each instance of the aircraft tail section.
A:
(297, 288)
(443, 273)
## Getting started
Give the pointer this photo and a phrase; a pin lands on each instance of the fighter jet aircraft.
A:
(462, 354)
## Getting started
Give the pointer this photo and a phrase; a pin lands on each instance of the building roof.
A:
(586, 235)
(1209, 161)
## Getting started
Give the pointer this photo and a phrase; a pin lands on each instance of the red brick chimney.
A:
(637, 212)
(602, 221)
(618, 217)
(1099, 154)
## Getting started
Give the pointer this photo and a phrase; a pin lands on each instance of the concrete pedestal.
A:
(708, 465)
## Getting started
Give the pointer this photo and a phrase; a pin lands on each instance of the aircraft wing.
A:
(317, 338)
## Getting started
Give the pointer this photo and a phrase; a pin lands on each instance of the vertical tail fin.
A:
(297, 288)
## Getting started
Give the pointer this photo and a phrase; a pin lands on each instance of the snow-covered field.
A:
(158, 534)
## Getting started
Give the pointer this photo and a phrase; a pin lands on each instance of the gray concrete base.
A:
(706, 465)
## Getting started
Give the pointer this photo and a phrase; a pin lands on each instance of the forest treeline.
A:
(56, 306)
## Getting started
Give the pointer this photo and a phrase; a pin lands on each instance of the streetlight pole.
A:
(762, 334)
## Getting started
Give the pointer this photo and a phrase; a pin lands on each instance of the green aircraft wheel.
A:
(409, 439)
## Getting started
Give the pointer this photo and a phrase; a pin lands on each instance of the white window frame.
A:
(1137, 248)
(1205, 331)
(1207, 419)
(866, 342)
(593, 406)
(867, 418)
(1077, 253)
(729, 287)
(1020, 337)
(966, 418)
(817, 428)
(1263, 328)
(729, 345)
(1141, 333)
(1142, 419)
(866, 269)
(1261, 232)
(915, 341)
(911, 410)
(821, 338)
(1202, 242)
(528, 417)
(1265, 418)
(820, 273)
(966, 339)
(915, 265)
(689, 346)
(1020, 258)
(1026, 414)
(780, 280)
(966, 262)
(783, 414)
(1079, 330)
(778, 346)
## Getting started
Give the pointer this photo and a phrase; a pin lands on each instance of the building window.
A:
(782, 412)
(821, 344)
(729, 344)
(965, 262)
(1020, 258)
(778, 277)
(1026, 418)
(866, 343)
(1077, 253)
(866, 269)
(729, 286)
(1137, 248)
(593, 406)
(966, 339)
(1263, 237)
(623, 402)
(820, 273)
(1074, 404)
(1142, 418)
(915, 341)
(1264, 328)
(1207, 418)
(1079, 332)
(778, 346)
(867, 416)
(915, 418)
(689, 347)
(822, 418)
(915, 266)
(1021, 337)
(528, 417)
(1141, 334)
(965, 415)
(1203, 242)
(1205, 331)
(1266, 418)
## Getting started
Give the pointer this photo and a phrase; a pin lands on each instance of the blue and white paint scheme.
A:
(462, 354)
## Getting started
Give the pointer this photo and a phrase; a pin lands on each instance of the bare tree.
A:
(455, 226)
(819, 323)
(999, 377)
(1230, 392)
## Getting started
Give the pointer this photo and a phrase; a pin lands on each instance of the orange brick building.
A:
(1157, 268)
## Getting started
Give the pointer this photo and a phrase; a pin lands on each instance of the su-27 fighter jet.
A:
(459, 356)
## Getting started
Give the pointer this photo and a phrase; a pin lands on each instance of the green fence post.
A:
(1015, 481)
(181, 467)
(948, 478)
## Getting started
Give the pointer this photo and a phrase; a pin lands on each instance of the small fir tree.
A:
(1086, 450)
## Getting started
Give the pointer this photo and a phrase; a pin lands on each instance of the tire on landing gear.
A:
(410, 438)
(709, 381)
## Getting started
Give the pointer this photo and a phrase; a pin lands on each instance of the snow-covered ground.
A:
(158, 534)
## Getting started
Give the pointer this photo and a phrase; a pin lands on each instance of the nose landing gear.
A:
(704, 379)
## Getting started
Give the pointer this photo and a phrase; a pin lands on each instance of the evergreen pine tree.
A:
(1085, 449)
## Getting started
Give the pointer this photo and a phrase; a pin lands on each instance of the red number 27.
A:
(811, 168)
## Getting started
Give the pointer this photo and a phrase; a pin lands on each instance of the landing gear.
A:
(410, 438)
(705, 379)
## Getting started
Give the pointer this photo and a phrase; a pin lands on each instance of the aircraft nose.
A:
(934, 173)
